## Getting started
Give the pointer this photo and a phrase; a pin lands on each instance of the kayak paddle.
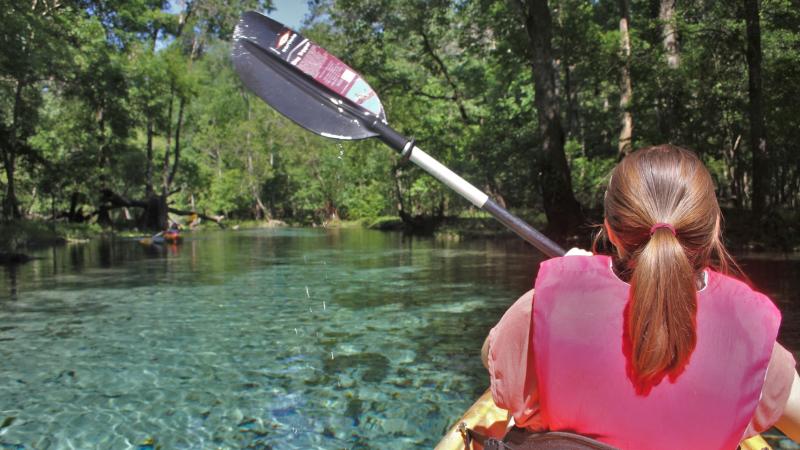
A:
(320, 93)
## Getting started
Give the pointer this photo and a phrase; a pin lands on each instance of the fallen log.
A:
(156, 209)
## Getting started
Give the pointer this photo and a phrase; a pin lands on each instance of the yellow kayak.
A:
(491, 421)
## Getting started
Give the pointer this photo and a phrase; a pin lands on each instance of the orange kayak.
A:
(171, 236)
(488, 419)
(164, 238)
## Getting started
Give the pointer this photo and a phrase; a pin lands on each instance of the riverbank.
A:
(18, 238)
(777, 232)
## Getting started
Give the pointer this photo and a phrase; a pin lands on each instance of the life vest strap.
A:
(520, 439)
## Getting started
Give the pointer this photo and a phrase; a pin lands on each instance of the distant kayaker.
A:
(655, 346)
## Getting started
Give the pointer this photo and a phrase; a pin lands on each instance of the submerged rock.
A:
(369, 367)
(7, 422)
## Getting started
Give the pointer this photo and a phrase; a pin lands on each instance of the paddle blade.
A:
(303, 81)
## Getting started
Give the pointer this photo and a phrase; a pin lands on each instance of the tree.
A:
(138, 102)
(190, 31)
(31, 52)
(669, 32)
(626, 132)
(562, 210)
(758, 132)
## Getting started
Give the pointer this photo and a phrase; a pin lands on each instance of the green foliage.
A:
(590, 176)
(101, 95)
(366, 202)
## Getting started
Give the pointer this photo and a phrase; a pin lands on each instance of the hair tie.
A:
(662, 225)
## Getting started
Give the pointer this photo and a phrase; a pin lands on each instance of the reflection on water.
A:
(281, 338)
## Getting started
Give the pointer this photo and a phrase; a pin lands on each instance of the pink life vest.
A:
(578, 318)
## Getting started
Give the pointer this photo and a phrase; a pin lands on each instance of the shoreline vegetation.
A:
(128, 115)
(18, 239)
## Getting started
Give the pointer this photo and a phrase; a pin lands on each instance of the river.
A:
(278, 338)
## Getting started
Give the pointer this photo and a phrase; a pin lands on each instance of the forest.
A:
(126, 113)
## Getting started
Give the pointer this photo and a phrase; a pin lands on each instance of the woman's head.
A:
(662, 216)
(663, 184)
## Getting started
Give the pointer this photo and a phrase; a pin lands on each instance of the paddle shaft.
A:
(297, 88)
(439, 171)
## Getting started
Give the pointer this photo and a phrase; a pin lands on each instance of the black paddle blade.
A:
(302, 81)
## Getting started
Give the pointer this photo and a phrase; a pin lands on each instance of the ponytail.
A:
(663, 304)
(662, 261)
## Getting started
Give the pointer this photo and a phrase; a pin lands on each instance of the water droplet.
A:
(323, 305)
(307, 293)
(331, 355)
(295, 331)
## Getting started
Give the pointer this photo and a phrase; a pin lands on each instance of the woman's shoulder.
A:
(578, 262)
(568, 272)
(734, 289)
(732, 284)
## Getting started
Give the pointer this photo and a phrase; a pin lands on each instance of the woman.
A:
(651, 348)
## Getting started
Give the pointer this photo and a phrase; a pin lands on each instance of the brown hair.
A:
(663, 184)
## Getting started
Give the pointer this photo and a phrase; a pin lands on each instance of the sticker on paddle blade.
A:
(326, 69)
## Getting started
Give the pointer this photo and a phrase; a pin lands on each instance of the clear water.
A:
(285, 338)
(256, 339)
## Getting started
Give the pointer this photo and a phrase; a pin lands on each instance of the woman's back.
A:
(584, 369)
(650, 348)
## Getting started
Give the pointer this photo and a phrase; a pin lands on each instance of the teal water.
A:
(287, 338)
(257, 339)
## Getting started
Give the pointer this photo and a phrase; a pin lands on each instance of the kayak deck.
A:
(488, 419)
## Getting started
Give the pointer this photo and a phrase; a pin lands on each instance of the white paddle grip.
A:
(448, 177)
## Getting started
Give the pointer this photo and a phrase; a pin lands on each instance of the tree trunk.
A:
(103, 216)
(11, 208)
(669, 103)
(457, 97)
(168, 146)
(154, 216)
(573, 127)
(493, 190)
(10, 203)
(260, 212)
(626, 90)
(177, 151)
(32, 204)
(74, 215)
(398, 188)
(669, 33)
(561, 208)
(149, 168)
(758, 131)
(149, 190)
(258, 206)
